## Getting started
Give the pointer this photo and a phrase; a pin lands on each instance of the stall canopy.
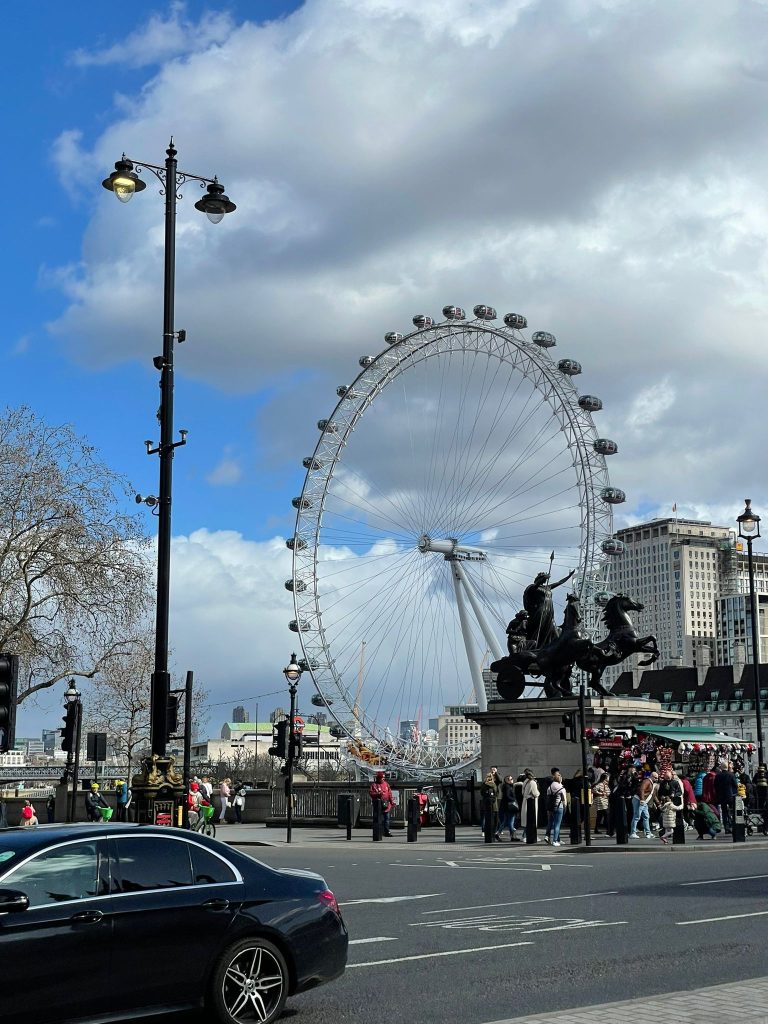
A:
(689, 734)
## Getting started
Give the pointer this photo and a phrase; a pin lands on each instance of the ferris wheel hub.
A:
(452, 548)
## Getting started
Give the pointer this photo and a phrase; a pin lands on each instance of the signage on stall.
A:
(611, 743)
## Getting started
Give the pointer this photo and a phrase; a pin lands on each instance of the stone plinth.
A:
(526, 733)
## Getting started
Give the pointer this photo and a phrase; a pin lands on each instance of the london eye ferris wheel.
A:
(459, 462)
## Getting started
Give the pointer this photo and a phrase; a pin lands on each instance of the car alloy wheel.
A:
(250, 982)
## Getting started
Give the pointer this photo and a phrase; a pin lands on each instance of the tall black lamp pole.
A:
(292, 673)
(749, 530)
(72, 697)
(124, 182)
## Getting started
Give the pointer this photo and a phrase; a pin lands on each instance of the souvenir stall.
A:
(694, 749)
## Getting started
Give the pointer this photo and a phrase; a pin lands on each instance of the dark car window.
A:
(208, 869)
(68, 872)
(151, 863)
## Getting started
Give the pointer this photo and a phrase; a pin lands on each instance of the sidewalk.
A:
(467, 838)
(741, 1002)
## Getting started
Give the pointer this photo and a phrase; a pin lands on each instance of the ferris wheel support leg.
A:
(472, 658)
(490, 638)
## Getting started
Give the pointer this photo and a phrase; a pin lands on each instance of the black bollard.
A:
(378, 819)
(575, 820)
(450, 816)
(678, 835)
(489, 825)
(413, 812)
(531, 833)
(620, 821)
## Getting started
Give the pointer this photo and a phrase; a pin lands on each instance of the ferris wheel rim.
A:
(553, 386)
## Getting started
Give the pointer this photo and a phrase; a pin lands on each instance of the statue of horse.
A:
(621, 642)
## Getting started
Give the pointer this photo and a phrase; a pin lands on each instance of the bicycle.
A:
(436, 804)
(204, 823)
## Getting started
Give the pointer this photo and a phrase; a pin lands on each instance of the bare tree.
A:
(118, 701)
(75, 579)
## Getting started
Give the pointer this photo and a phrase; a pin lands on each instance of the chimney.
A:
(703, 664)
(739, 658)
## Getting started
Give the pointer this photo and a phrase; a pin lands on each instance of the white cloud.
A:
(650, 405)
(227, 472)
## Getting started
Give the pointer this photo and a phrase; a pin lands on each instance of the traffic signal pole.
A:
(76, 770)
(584, 779)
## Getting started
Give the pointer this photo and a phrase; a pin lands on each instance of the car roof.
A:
(29, 839)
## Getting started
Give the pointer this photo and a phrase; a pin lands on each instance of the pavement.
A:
(469, 837)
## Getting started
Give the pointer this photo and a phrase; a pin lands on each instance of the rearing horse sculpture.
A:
(621, 642)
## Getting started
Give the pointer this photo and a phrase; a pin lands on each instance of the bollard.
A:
(678, 835)
(346, 813)
(575, 820)
(739, 825)
(450, 815)
(378, 815)
(620, 821)
(488, 822)
(413, 811)
(531, 834)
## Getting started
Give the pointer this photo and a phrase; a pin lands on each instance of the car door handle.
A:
(87, 917)
(216, 905)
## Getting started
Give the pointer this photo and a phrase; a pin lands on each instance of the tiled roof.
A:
(717, 685)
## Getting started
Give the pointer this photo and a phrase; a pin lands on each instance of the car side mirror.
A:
(12, 901)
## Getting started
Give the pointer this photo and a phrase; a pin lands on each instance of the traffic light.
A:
(172, 716)
(70, 727)
(9, 681)
(569, 731)
(280, 746)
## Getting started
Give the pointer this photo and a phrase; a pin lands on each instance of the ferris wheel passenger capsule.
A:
(484, 312)
(569, 366)
(342, 390)
(295, 544)
(297, 586)
(613, 495)
(421, 320)
(516, 321)
(296, 627)
(302, 503)
(366, 361)
(393, 337)
(311, 463)
(590, 403)
(454, 313)
(604, 446)
(544, 339)
(602, 597)
(328, 426)
(613, 546)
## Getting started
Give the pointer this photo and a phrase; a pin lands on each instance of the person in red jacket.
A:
(380, 790)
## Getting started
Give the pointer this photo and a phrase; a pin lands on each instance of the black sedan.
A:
(102, 922)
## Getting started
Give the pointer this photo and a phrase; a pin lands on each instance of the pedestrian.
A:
(50, 809)
(708, 794)
(194, 803)
(379, 790)
(508, 809)
(530, 792)
(423, 801)
(122, 797)
(93, 801)
(555, 808)
(28, 815)
(641, 800)
(689, 801)
(239, 802)
(670, 798)
(602, 793)
(489, 796)
(706, 821)
(725, 794)
(224, 793)
(206, 787)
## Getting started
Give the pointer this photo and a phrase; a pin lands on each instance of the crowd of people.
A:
(643, 800)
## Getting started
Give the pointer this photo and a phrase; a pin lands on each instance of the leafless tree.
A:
(75, 576)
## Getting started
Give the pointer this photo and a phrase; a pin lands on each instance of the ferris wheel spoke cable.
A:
(542, 501)
(363, 505)
(436, 460)
(520, 518)
(344, 589)
(402, 515)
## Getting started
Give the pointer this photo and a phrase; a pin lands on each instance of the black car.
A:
(103, 922)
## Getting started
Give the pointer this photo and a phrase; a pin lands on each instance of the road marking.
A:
(528, 924)
(432, 956)
(450, 863)
(571, 927)
(546, 867)
(728, 917)
(467, 867)
(517, 903)
(376, 938)
(394, 899)
(716, 881)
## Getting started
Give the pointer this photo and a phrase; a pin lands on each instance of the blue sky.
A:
(601, 171)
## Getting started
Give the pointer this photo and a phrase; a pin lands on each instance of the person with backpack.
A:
(508, 809)
(555, 802)
(670, 797)
(641, 800)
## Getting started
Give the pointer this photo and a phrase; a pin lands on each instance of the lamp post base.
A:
(158, 791)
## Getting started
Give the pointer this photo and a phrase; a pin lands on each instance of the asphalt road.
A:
(469, 937)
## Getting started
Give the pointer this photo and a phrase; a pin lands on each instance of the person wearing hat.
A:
(380, 790)
(121, 799)
(93, 801)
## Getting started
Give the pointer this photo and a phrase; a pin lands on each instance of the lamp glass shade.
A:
(748, 524)
(124, 186)
(214, 216)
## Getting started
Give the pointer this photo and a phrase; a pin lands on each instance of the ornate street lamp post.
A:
(292, 673)
(124, 182)
(749, 530)
(72, 699)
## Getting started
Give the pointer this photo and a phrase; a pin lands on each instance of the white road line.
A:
(546, 867)
(728, 917)
(394, 899)
(467, 867)
(518, 903)
(376, 938)
(716, 881)
(573, 927)
(431, 956)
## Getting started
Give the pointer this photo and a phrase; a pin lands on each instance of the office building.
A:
(240, 715)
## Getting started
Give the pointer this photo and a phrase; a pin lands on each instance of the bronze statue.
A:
(537, 601)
